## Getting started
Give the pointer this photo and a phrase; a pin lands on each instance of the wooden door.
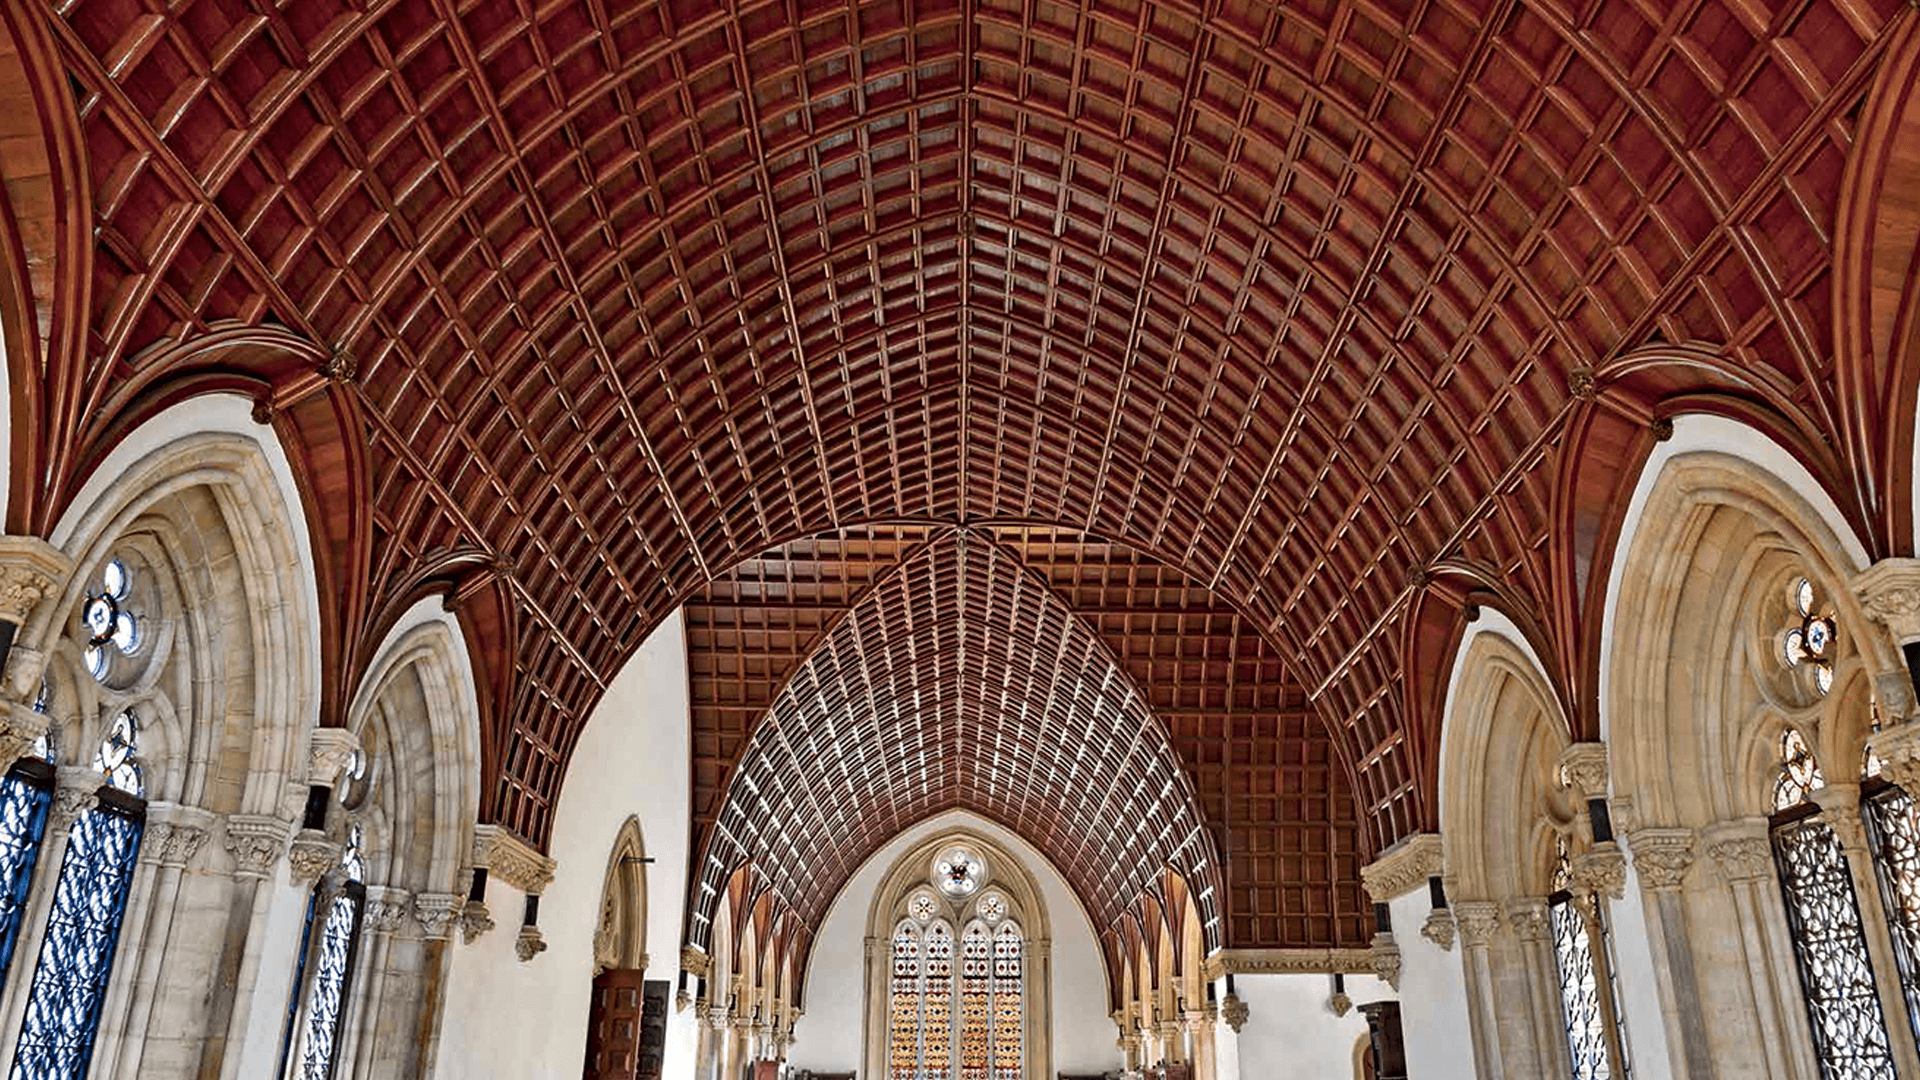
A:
(614, 1024)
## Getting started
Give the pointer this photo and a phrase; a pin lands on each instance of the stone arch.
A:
(620, 940)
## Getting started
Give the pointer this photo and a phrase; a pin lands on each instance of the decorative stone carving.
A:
(1601, 871)
(31, 570)
(1386, 959)
(329, 751)
(1585, 765)
(682, 1000)
(387, 909)
(1528, 920)
(1889, 592)
(694, 961)
(1234, 1012)
(311, 854)
(20, 728)
(76, 790)
(1662, 856)
(1287, 962)
(255, 841)
(1898, 748)
(1894, 691)
(1740, 850)
(174, 834)
(529, 944)
(475, 920)
(1340, 1003)
(1582, 384)
(436, 912)
(1439, 928)
(511, 859)
(1479, 920)
(339, 366)
(1405, 867)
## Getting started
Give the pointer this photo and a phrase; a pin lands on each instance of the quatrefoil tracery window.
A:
(1809, 644)
(109, 620)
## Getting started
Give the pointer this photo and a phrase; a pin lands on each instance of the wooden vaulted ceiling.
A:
(1345, 312)
(847, 686)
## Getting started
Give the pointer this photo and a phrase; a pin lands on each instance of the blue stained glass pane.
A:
(63, 1006)
(23, 821)
(330, 984)
(299, 980)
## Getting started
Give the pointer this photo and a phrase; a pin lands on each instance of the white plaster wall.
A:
(1292, 1034)
(828, 1036)
(509, 1019)
(1433, 997)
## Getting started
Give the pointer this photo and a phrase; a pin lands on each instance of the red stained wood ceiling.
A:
(1287, 297)
(904, 663)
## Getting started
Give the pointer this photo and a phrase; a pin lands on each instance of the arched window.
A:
(83, 928)
(1823, 913)
(986, 1039)
(1588, 991)
(1893, 830)
(25, 794)
(331, 949)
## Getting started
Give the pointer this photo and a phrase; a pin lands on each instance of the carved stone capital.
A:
(1234, 1012)
(695, 962)
(174, 834)
(1740, 850)
(1439, 928)
(682, 1000)
(255, 842)
(311, 854)
(387, 909)
(1889, 593)
(529, 944)
(1527, 918)
(1894, 691)
(1601, 871)
(1403, 868)
(1840, 809)
(76, 790)
(475, 920)
(1585, 765)
(329, 751)
(31, 570)
(510, 859)
(1386, 959)
(20, 728)
(1340, 1003)
(1661, 856)
(1898, 748)
(436, 912)
(1479, 920)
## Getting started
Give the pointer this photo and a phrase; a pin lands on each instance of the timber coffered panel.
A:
(1330, 309)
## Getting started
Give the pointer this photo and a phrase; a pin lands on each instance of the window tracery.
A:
(1809, 643)
(976, 1003)
(903, 1052)
(1596, 1043)
(109, 619)
(1009, 1012)
(83, 927)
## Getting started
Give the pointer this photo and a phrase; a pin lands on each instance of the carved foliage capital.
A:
(329, 750)
(30, 571)
(1439, 928)
(1662, 856)
(1585, 764)
(695, 962)
(510, 859)
(1601, 871)
(1898, 748)
(1479, 921)
(436, 912)
(174, 834)
(529, 944)
(255, 841)
(475, 920)
(311, 854)
(1889, 592)
(1405, 867)
(1386, 959)
(387, 909)
(20, 728)
(1527, 918)
(1234, 1012)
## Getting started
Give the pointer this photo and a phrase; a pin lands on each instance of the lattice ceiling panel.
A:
(1286, 295)
(957, 679)
(1270, 785)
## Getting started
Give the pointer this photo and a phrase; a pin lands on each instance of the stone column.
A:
(149, 963)
(1533, 937)
(1199, 1025)
(712, 1024)
(254, 842)
(1478, 921)
(387, 916)
(1743, 856)
(1599, 877)
(1172, 1042)
(1661, 857)
(739, 1047)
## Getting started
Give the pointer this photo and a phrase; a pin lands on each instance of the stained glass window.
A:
(1009, 1014)
(83, 928)
(903, 1055)
(937, 1044)
(25, 795)
(333, 967)
(976, 1003)
(109, 622)
(1579, 992)
(1808, 643)
(1799, 772)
